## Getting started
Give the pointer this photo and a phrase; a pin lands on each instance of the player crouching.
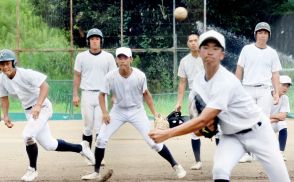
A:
(129, 88)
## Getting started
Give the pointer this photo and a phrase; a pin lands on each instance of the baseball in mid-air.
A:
(180, 13)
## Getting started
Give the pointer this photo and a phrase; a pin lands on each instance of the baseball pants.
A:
(261, 142)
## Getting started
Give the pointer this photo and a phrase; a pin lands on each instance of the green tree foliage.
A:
(148, 24)
(287, 7)
(34, 34)
(240, 16)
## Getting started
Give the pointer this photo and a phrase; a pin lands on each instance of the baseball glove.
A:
(160, 122)
(209, 130)
(175, 119)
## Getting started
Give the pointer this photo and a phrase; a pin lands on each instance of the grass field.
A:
(164, 103)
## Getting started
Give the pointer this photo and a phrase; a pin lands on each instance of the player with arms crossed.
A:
(129, 87)
(258, 68)
(190, 65)
(90, 68)
(31, 88)
(279, 112)
(244, 126)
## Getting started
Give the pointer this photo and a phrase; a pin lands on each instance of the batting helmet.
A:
(8, 55)
(175, 118)
(262, 26)
(94, 32)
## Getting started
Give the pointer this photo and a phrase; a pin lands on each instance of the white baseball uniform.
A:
(188, 68)
(258, 66)
(244, 126)
(25, 86)
(282, 106)
(93, 68)
(128, 106)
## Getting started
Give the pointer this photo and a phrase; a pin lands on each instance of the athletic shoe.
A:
(86, 152)
(246, 158)
(93, 175)
(196, 166)
(30, 175)
(180, 171)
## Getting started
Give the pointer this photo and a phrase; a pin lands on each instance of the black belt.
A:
(257, 85)
(249, 129)
(29, 108)
(92, 90)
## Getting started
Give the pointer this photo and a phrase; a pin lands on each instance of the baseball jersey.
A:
(129, 91)
(93, 68)
(258, 64)
(25, 86)
(189, 67)
(225, 92)
(282, 106)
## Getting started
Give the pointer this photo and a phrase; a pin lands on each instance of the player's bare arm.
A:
(149, 100)
(195, 124)
(276, 85)
(281, 116)
(239, 72)
(5, 107)
(42, 96)
(105, 114)
(181, 92)
(75, 92)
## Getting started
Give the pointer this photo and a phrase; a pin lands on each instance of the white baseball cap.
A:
(214, 35)
(285, 79)
(123, 50)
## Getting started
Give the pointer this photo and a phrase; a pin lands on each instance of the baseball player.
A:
(258, 68)
(189, 66)
(245, 128)
(279, 112)
(89, 70)
(129, 86)
(31, 88)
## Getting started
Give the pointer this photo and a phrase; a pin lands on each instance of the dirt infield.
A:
(127, 154)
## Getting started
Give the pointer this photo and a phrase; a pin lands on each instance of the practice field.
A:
(127, 154)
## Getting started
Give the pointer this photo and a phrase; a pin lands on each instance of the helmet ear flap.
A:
(14, 62)
(88, 41)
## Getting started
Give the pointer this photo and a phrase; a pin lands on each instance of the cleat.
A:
(87, 153)
(30, 175)
(180, 171)
(93, 175)
(196, 166)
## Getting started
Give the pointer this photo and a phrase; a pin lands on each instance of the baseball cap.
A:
(285, 79)
(212, 35)
(123, 50)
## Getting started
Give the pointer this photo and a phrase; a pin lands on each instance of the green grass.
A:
(164, 103)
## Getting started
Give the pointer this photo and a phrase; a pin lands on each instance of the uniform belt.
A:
(92, 90)
(28, 108)
(31, 107)
(249, 129)
(258, 85)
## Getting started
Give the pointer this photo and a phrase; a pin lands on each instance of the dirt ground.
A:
(127, 154)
